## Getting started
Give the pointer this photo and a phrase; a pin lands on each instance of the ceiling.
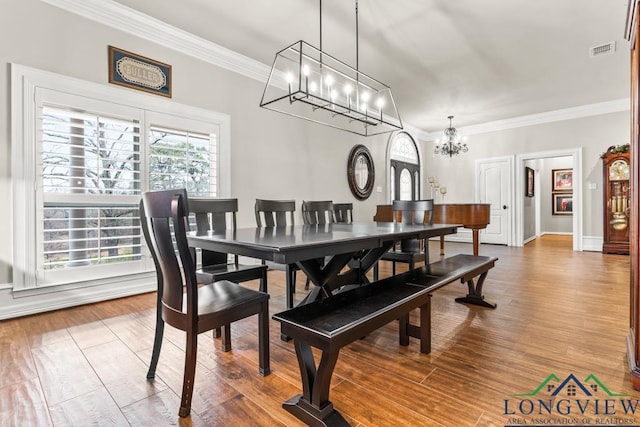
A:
(480, 61)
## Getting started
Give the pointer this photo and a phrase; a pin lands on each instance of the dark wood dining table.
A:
(359, 245)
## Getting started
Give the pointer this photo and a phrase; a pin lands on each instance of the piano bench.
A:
(347, 316)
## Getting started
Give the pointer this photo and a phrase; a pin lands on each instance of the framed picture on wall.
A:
(562, 179)
(562, 203)
(529, 176)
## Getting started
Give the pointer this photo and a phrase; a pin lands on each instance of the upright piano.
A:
(474, 216)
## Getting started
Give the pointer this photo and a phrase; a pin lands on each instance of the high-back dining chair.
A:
(318, 212)
(410, 251)
(218, 215)
(184, 304)
(343, 212)
(275, 213)
(279, 213)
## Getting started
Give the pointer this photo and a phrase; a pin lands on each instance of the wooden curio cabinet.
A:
(633, 339)
(616, 190)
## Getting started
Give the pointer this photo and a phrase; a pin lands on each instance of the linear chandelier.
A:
(452, 144)
(310, 84)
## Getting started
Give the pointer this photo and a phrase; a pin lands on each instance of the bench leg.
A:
(425, 327)
(475, 296)
(422, 332)
(313, 406)
(404, 330)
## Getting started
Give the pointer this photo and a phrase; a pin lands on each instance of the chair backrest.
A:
(413, 211)
(317, 212)
(164, 218)
(343, 212)
(214, 215)
(274, 213)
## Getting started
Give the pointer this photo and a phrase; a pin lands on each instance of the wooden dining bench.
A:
(340, 319)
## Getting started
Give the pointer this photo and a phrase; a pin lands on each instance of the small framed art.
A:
(562, 179)
(529, 179)
(562, 203)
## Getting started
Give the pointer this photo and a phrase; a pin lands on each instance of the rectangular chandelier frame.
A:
(312, 85)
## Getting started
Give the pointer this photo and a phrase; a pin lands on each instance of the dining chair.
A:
(218, 215)
(183, 302)
(343, 212)
(279, 213)
(410, 251)
(318, 212)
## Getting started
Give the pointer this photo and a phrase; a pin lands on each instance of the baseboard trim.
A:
(11, 307)
(592, 243)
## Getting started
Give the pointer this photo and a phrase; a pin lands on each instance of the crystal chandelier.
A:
(451, 145)
(310, 84)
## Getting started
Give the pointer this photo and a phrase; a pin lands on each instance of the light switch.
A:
(378, 189)
(592, 186)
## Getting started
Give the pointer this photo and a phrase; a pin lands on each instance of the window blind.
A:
(91, 182)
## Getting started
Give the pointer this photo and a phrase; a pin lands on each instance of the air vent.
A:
(603, 49)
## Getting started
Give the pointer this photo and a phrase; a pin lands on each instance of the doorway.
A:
(576, 166)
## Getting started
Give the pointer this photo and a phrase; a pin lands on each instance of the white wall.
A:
(273, 155)
(594, 134)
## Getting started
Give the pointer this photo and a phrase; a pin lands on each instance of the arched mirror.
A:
(360, 172)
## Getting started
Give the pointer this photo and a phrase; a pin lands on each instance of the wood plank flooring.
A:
(559, 312)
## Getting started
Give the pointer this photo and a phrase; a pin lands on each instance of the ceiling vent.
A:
(603, 49)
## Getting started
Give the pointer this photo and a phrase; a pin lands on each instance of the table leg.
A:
(476, 240)
(441, 245)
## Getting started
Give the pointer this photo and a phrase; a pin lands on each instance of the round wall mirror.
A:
(360, 172)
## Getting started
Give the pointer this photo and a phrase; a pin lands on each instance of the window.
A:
(91, 157)
(88, 159)
(404, 167)
(406, 183)
(182, 159)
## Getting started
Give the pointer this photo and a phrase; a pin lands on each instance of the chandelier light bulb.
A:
(305, 70)
(329, 81)
(313, 87)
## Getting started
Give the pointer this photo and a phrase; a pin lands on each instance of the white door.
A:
(494, 187)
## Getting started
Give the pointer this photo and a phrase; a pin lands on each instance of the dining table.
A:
(321, 251)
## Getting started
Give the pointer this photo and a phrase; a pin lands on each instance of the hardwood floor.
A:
(559, 312)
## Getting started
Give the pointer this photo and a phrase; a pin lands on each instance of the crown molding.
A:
(131, 21)
(123, 18)
(572, 113)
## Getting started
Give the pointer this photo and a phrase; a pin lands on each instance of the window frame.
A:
(26, 83)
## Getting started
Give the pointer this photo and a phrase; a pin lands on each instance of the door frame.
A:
(576, 155)
(510, 195)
